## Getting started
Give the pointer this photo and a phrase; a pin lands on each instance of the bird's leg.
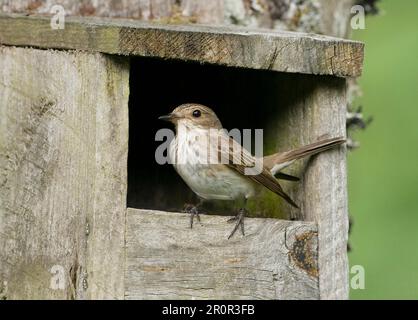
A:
(193, 211)
(239, 218)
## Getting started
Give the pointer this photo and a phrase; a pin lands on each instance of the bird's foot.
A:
(239, 219)
(193, 211)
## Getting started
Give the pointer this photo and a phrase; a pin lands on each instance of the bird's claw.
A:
(239, 218)
(193, 211)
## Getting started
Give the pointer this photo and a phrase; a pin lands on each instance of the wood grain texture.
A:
(63, 155)
(229, 46)
(165, 259)
(322, 192)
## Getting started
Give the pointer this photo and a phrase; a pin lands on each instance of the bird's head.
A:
(193, 115)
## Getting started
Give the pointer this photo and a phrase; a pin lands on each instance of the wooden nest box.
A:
(80, 189)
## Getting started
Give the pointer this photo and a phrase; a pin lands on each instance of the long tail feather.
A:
(278, 161)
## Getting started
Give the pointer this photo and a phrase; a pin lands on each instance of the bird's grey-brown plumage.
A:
(242, 159)
(227, 180)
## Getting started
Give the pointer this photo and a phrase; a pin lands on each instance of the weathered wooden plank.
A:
(63, 154)
(230, 46)
(165, 259)
(322, 192)
(109, 97)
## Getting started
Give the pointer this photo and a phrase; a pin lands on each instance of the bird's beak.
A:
(168, 117)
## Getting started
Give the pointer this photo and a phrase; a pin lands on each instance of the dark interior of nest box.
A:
(242, 98)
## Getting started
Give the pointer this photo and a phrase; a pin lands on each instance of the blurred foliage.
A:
(370, 6)
(383, 173)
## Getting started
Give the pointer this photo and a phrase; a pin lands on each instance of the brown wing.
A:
(240, 159)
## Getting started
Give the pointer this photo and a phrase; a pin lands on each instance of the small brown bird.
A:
(215, 166)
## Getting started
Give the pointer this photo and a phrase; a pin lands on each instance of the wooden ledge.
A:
(230, 46)
(165, 259)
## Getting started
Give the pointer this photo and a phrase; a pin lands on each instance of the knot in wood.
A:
(304, 252)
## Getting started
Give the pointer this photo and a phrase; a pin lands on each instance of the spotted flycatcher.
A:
(216, 167)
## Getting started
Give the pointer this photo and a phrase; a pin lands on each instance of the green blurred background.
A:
(383, 173)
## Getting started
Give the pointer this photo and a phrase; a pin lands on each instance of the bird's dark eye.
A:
(197, 113)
